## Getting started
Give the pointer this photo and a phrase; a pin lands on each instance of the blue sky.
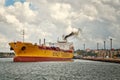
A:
(11, 2)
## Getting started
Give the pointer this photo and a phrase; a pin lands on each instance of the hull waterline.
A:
(39, 59)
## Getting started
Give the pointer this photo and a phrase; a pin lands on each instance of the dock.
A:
(112, 60)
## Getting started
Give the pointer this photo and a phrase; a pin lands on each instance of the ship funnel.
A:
(44, 41)
(39, 41)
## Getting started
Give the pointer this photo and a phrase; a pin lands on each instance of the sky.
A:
(98, 21)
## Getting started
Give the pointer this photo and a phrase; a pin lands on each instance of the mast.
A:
(23, 34)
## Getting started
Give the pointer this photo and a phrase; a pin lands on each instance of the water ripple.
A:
(77, 70)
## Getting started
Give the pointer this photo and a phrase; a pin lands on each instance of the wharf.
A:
(112, 60)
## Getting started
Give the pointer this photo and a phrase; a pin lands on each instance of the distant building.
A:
(6, 54)
(88, 50)
(109, 53)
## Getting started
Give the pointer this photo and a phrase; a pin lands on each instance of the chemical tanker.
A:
(28, 52)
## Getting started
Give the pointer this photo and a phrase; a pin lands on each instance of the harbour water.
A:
(76, 70)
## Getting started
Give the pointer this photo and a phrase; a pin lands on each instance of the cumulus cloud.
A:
(14, 18)
(50, 19)
(60, 11)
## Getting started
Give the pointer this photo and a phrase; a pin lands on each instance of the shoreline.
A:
(111, 60)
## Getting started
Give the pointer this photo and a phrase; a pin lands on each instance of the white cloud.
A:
(90, 12)
(22, 12)
(2, 2)
(50, 19)
(3, 43)
(60, 11)
(11, 19)
(3, 38)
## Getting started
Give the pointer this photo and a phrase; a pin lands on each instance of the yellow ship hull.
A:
(27, 52)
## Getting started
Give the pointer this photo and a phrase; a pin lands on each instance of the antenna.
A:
(23, 34)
